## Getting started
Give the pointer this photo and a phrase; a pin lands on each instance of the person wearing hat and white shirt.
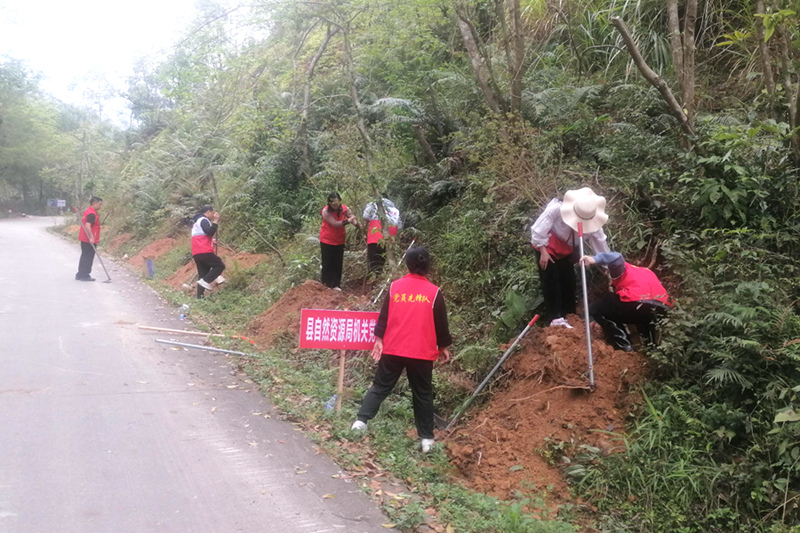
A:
(556, 244)
(639, 298)
(376, 250)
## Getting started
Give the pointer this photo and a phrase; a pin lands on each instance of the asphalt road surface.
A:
(103, 430)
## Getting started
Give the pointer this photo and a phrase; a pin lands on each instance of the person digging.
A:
(209, 265)
(412, 332)
(639, 298)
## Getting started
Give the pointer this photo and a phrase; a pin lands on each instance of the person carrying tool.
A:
(555, 243)
(639, 298)
(92, 220)
(209, 265)
(335, 217)
(412, 332)
(376, 249)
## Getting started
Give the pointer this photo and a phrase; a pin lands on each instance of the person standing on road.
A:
(209, 265)
(89, 240)
(376, 248)
(335, 217)
(412, 332)
(639, 298)
(556, 244)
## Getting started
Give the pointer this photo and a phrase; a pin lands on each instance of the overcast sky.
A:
(79, 45)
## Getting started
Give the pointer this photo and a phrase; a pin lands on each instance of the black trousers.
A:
(86, 261)
(209, 267)
(332, 257)
(376, 257)
(558, 287)
(420, 378)
(612, 314)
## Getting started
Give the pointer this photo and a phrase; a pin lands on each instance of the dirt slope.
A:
(502, 449)
(284, 315)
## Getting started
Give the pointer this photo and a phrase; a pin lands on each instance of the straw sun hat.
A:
(583, 205)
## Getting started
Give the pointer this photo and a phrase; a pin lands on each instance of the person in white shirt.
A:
(376, 246)
(556, 244)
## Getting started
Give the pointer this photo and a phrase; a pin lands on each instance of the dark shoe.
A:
(87, 278)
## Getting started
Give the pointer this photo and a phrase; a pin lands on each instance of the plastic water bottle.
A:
(330, 404)
(184, 310)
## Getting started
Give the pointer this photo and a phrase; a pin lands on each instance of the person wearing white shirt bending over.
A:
(557, 247)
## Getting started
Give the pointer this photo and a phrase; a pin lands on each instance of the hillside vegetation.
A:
(470, 115)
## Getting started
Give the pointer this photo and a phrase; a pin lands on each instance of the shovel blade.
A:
(439, 422)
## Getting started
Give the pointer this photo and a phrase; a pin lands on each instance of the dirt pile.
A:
(242, 260)
(503, 448)
(284, 315)
(72, 229)
(152, 251)
(118, 241)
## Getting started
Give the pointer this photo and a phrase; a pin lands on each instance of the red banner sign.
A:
(337, 330)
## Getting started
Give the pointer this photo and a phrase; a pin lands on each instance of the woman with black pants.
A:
(335, 217)
(412, 332)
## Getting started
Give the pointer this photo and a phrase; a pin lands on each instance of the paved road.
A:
(105, 431)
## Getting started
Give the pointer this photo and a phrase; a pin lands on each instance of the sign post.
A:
(337, 330)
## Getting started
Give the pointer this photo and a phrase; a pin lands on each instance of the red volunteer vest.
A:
(557, 248)
(95, 227)
(374, 233)
(639, 283)
(201, 243)
(330, 234)
(410, 330)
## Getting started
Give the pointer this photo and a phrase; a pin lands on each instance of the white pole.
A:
(586, 310)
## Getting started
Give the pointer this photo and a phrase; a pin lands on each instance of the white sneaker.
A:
(561, 322)
(220, 280)
(204, 284)
(427, 444)
(337, 289)
(358, 425)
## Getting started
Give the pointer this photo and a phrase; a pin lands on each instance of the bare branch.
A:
(654, 79)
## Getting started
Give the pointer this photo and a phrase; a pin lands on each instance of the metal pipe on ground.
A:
(200, 333)
(485, 382)
(206, 348)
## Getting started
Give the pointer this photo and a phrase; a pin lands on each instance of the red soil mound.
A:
(239, 260)
(500, 450)
(153, 250)
(118, 241)
(284, 315)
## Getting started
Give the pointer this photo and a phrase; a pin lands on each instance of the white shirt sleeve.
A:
(597, 240)
(540, 230)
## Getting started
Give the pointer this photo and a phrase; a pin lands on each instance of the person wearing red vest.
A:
(376, 249)
(639, 298)
(209, 265)
(335, 217)
(556, 244)
(412, 332)
(89, 240)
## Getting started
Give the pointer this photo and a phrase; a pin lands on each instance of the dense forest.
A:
(470, 115)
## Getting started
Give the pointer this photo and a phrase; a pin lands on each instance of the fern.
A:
(723, 376)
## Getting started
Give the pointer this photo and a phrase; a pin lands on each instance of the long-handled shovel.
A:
(483, 384)
(586, 311)
(88, 231)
